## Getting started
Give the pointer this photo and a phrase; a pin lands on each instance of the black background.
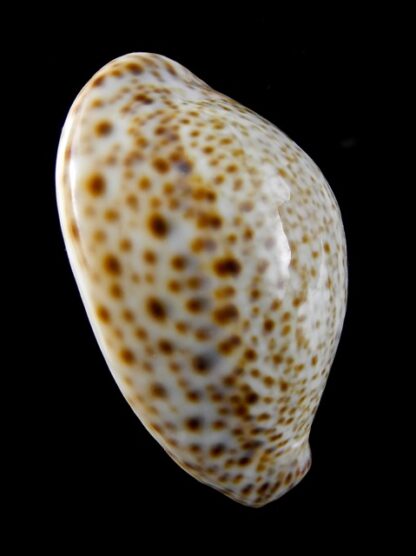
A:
(92, 468)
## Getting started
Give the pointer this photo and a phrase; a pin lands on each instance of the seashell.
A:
(210, 255)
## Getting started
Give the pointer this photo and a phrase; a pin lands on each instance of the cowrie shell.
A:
(210, 256)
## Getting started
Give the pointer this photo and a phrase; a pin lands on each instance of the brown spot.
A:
(263, 417)
(232, 168)
(248, 234)
(161, 165)
(155, 202)
(174, 286)
(241, 410)
(179, 262)
(229, 380)
(226, 140)
(156, 427)
(297, 301)
(174, 366)
(156, 308)
(158, 390)
(96, 185)
(286, 316)
(173, 204)
(262, 489)
(224, 291)
(141, 333)
(147, 366)
(206, 220)
(217, 450)
(193, 396)
(149, 256)
(144, 183)
(125, 244)
(245, 460)
(73, 228)
(283, 386)
(127, 356)
(268, 325)
(170, 68)
(250, 354)
(103, 128)
(134, 68)
(225, 314)
(111, 215)
(99, 236)
(218, 425)
(158, 225)
(132, 201)
(246, 206)
(194, 424)
(168, 188)
(98, 81)
(276, 305)
(327, 247)
(203, 244)
(314, 360)
(286, 329)
(277, 359)
(197, 304)
(227, 266)
(227, 346)
(288, 478)
(112, 265)
(143, 98)
(96, 103)
(175, 156)
(252, 398)
(268, 381)
(116, 291)
(203, 362)
(166, 346)
(201, 193)
(160, 130)
(194, 282)
(103, 314)
(128, 315)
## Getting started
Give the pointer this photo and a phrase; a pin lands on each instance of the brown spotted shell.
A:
(210, 255)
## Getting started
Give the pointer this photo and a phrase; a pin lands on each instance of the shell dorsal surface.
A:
(210, 255)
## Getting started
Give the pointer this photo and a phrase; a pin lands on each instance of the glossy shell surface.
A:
(210, 255)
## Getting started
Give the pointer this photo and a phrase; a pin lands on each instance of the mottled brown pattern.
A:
(211, 259)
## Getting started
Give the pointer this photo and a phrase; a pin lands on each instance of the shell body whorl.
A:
(210, 255)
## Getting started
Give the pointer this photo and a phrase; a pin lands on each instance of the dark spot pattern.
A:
(213, 263)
